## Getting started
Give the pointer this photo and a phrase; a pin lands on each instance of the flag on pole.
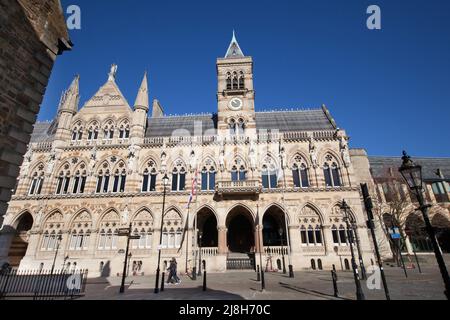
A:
(191, 197)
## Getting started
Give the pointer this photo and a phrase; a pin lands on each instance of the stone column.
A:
(259, 245)
(328, 240)
(222, 239)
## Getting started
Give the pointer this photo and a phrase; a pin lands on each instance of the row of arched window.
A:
(115, 181)
(108, 130)
(235, 80)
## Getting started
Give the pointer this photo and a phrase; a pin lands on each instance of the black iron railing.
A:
(42, 284)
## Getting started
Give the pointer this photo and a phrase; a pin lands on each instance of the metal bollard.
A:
(258, 275)
(163, 276)
(194, 273)
(204, 275)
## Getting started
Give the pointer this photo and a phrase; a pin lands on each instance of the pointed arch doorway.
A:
(19, 243)
(241, 231)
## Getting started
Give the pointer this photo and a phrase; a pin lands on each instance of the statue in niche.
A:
(313, 151)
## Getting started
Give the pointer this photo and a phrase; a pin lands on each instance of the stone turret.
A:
(141, 107)
(68, 107)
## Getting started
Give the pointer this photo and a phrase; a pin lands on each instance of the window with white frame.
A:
(80, 232)
(52, 232)
(143, 227)
(149, 177)
(208, 177)
(37, 181)
(310, 227)
(109, 232)
(63, 180)
(179, 177)
(172, 230)
(331, 172)
(300, 172)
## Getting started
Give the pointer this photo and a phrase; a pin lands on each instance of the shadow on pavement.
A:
(311, 292)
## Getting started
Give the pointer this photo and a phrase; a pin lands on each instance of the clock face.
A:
(235, 104)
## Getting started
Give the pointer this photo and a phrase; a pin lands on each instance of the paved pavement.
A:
(306, 285)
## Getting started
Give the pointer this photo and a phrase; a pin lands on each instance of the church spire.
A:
(234, 51)
(142, 96)
(70, 97)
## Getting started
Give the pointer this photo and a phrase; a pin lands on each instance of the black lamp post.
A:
(58, 239)
(358, 247)
(165, 181)
(412, 173)
(200, 234)
(359, 293)
(280, 232)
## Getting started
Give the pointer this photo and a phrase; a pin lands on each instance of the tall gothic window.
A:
(103, 178)
(229, 81)
(124, 131)
(63, 183)
(120, 177)
(232, 126)
(300, 172)
(37, 181)
(172, 230)
(241, 80)
(108, 130)
(80, 232)
(93, 132)
(149, 177)
(238, 173)
(179, 177)
(269, 175)
(143, 227)
(331, 172)
(109, 233)
(77, 133)
(310, 227)
(52, 232)
(235, 81)
(341, 234)
(79, 182)
(208, 178)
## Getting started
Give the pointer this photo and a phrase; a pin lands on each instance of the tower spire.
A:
(234, 50)
(70, 97)
(142, 96)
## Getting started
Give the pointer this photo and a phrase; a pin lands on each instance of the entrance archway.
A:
(273, 223)
(19, 243)
(441, 225)
(207, 226)
(241, 231)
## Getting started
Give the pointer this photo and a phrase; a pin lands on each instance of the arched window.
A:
(120, 178)
(208, 177)
(149, 177)
(124, 130)
(143, 227)
(241, 80)
(240, 127)
(235, 81)
(310, 227)
(52, 235)
(93, 132)
(179, 177)
(238, 173)
(77, 133)
(79, 182)
(62, 185)
(108, 130)
(269, 176)
(300, 172)
(313, 264)
(103, 178)
(341, 234)
(109, 233)
(80, 232)
(172, 230)
(331, 172)
(37, 181)
(228, 81)
(232, 127)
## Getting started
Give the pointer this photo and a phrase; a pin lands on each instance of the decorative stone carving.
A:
(344, 151)
(53, 158)
(193, 161)
(163, 162)
(133, 156)
(313, 151)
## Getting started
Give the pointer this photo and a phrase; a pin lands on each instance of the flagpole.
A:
(187, 239)
(288, 242)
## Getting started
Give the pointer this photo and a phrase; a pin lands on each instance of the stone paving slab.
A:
(307, 285)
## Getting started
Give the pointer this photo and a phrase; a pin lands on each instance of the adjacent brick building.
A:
(32, 34)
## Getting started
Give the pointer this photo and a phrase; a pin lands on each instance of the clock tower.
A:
(235, 94)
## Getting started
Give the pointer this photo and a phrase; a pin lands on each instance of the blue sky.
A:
(389, 89)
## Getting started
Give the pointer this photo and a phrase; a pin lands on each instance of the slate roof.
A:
(284, 121)
(380, 166)
(40, 132)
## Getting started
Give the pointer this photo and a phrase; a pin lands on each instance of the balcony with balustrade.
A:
(242, 187)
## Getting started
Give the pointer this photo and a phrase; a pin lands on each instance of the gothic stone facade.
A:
(268, 182)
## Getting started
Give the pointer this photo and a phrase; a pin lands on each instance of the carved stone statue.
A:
(112, 72)
(283, 163)
(344, 151)
(132, 155)
(26, 162)
(222, 159)
(39, 217)
(125, 213)
(193, 161)
(253, 159)
(92, 160)
(163, 162)
(53, 158)
(313, 151)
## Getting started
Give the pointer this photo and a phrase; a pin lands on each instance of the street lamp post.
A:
(200, 234)
(412, 173)
(280, 232)
(165, 181)
(358, 247)
(126, 233)
(56, 252)
(359, 292)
